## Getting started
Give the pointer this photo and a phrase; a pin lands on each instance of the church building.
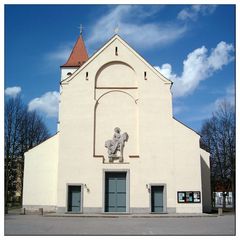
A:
(118, 148)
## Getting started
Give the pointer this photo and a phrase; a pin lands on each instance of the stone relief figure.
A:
(116, 144)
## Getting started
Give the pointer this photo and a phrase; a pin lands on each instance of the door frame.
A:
(164, 185)
(81, 195)
(127, 171)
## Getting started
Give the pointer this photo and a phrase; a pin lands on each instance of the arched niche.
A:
(115, 74)
(116, 109)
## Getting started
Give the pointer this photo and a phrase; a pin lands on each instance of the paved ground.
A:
(123, 225)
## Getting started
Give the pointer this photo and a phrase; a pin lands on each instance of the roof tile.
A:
(78, 55)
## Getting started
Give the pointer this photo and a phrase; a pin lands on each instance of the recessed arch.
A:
(115, 74)
(97, 101)
(112, 109)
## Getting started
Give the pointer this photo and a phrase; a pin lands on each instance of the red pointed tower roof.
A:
(78, 55)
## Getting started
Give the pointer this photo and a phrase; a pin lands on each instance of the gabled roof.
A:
(126, 45)
(78, 55)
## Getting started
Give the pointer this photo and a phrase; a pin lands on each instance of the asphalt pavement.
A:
(119, 225)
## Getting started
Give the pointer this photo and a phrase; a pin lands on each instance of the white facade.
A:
(67, 71)
(117, 88)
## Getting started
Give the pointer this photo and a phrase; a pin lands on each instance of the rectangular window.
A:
(145, 75)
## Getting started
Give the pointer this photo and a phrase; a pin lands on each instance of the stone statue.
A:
(116, 144)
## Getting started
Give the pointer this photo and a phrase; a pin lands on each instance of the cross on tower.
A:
(80, 29)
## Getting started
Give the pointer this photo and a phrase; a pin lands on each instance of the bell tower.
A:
(76, 59)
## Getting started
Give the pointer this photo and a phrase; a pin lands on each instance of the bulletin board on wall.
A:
(189, 197)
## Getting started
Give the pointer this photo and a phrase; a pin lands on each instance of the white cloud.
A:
(130, 20)
(166, 71)
(197, 67)
(220, 55)
(193, 12)
(47, 104)
(13, 91)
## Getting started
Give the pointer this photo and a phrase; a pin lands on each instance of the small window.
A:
(86, 75)
(116, 51)
(145, 75)
(69, 73)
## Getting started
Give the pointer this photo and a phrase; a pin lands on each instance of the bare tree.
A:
(23, 131)
(218, 138)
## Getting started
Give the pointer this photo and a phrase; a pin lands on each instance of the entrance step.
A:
(129, 215)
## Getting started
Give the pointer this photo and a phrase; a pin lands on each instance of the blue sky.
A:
(193, 45)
